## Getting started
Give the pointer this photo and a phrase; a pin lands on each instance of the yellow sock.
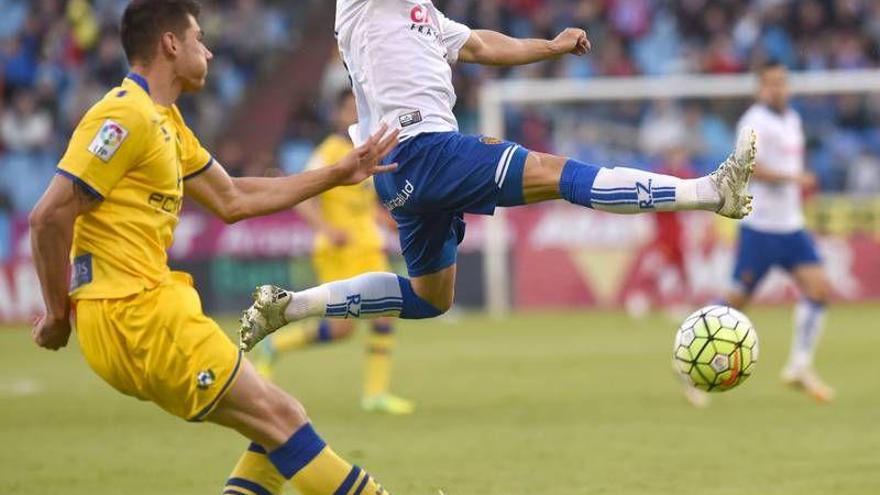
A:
(330, 474)
(295, 337)
(314, 469)
(254, 475)
(377, 368)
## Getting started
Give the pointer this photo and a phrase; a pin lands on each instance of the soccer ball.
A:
(716, 348)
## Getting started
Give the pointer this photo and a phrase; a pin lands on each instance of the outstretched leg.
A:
(627, 190)
(367, 296)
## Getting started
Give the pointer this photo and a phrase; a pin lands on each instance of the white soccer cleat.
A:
(808, 381)
(264, 316)
(731, 178)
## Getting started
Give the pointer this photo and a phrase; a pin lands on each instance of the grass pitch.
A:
(558, 404)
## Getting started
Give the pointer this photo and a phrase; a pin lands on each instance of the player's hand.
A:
(365, 160)
(807, 181)
(572, 40)
(51, 333)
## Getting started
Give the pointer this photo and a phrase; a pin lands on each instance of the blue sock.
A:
(297, 452)
(382, 328)
(324, 334)
(576, 182)
(367, 296)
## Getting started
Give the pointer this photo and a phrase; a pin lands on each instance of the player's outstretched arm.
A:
(236, 198)
(51, 223)
(493, 48)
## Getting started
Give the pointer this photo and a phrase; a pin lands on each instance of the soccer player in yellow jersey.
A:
(348, 243)
(112, 209)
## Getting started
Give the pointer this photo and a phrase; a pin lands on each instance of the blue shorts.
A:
(440, 177)
(759, 251)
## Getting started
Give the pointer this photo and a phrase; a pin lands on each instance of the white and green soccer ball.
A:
(716, 348)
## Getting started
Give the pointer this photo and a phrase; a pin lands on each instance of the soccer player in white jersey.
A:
(398, 53)
(774, 234)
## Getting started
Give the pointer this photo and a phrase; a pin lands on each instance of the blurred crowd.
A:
(58, 56)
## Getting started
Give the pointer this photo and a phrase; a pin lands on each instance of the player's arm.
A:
(493, 48)
(236, 198)
(51, 223)
(765, 174)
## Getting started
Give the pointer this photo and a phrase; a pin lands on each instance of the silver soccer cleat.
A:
(264, 316)
(731, 178)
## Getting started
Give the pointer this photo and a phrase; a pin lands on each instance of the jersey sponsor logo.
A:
(165, 202)
(402, 197)
(410, 118)
(108, 140)
(81, 271)
(418, 14)
(490, 140)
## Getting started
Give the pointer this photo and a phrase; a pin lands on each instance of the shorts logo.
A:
(410, 118)
(205, 379)
(108, 140)
(402, 196)
(490, 140)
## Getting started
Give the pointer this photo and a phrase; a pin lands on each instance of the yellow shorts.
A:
(347, 262)
(159, 346)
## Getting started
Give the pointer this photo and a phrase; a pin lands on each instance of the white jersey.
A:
(398, 54)
(777, 206)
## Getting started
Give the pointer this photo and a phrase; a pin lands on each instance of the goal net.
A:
(558, 255)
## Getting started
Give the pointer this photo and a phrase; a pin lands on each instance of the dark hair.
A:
(145, 21)
(768, 65)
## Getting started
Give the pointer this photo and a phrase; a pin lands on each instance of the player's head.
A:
(166, 32)
(773, 85)
(345, 111)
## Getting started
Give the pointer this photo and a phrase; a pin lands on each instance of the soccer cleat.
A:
(264, 316)
(389, 404)
(807, 380)
(731, 178)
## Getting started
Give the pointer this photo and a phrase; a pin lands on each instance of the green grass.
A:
(549, 404)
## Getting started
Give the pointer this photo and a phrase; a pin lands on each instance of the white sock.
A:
(809, 321)
(367, 296)
(628, 190)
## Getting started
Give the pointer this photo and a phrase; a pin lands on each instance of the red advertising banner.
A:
(561, 256)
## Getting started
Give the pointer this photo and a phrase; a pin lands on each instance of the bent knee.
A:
(281, 406)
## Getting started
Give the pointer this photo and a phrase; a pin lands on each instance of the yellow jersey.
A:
(352, 209)
(133, 155)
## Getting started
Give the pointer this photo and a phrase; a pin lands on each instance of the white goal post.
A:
(495, 94)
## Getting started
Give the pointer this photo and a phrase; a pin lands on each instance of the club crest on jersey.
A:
(108, 140)
(645, 194)
(490, 140)
(205, 379)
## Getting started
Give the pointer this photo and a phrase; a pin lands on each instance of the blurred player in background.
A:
(112, 208)
(348, 243)
(774, 235)
(398, 55)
